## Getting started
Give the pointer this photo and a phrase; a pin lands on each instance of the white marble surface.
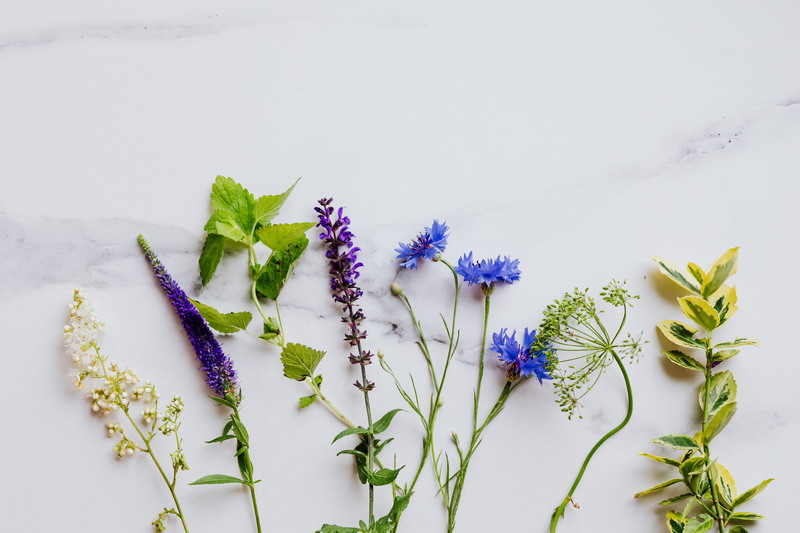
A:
(578, 137)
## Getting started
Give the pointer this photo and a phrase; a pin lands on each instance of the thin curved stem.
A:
(559, 511)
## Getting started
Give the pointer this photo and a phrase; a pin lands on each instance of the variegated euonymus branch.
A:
(712, 498)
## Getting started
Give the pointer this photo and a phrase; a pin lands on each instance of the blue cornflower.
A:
(488, 271)
(427, 245)
(522, 360)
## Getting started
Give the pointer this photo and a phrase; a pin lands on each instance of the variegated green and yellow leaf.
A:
(749, 494)
(675, 522)
(683, 360)
(719, 421)
(665, 460)
(722, 391)
(737, 529)
(741, 341)
(700, 312)
(658, 487)
(723, 355)
(692, 471)
(675, 499)
(696, 272)
(677, 442)
(674, 272)
(725, 302)
(725, 485)
(699, 524)
(747, 516)
(720, 271)
(680, 334)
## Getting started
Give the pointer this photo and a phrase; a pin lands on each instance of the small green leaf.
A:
(658, 487)
(737, 529)
(384, 476)
(699, 524)
(665, 460)
(738, 342)
(677, 442)
(224, 223)
(686, 361)
(276, 272)
(723, 355)
(719, 421)
(675, 522)
(279, 236)
(224, 323)
(268, 207)
(680, 333)
(724, 484)
(722, 391)
(358, 430)
(725, 302)
(700, 312)
(675, 499)
(216, 479)
(746, 516)
(213, 248)
(305, 401)
(673, 272)
(720, 271)
(692, 471)
(383, 424)
(697, 273)
(400, 504)
(352, 452)
(749, 494)
(327, 528)
(299, 362)
(221, 438)
(223, 401)
(227, 195)
(271, 329)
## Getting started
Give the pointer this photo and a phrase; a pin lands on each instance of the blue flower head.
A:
(488, 271)
(522, 360)
(427, 245)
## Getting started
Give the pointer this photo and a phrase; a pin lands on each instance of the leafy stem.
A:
(719, 516)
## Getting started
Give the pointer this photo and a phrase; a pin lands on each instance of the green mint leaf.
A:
(213, 248)
(383, 424)
(305, 401)
(299, 362)
(384, 476)
(224, 223)
(327, 528)
(276, 272)
(216, 479)
(224, 323)
(227, 195)
(267, 207)
(279, 236)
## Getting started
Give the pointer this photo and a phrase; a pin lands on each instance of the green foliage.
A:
(216, 479)
(224, 323)
(279, 236)
(300, 362)
(272, 277)
(712, 496)
(213, 248)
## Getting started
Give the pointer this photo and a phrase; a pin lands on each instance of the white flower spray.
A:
(111, 388)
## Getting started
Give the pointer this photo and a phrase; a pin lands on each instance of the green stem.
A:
(247, 473)
(706, 450)
(559, 511)
(255, 505)
(481, 364)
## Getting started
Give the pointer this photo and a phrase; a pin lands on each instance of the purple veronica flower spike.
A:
(427, 245)
(488, 271)
(217, 366)
(522, 359)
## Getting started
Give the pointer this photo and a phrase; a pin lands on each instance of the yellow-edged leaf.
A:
(696, 272)
(680, 333)
(719, 421)
(722, 391)
(720, 271)
(665, 460)
(683, 360)
(749, 494)
(674, 272)
(700, 312)
(725, 302)
(658, 487)
(725, 484)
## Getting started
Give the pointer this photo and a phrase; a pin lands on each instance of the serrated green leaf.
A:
(400, 504)
(224, 223)
(358, 430)
(276, 272)
(384, 476)
(383, 424)
(328, 528)
(665, 460)
(751, 493)
(224, 323)
(737, 342)
(720, 271)
(700, 312)
(227, 195)
(305, 401)
(722, 391)
(746, 516)
(683, 360)
(213, 248)
(299, 362)
(279, 236)
(719, 421)
(699, 524)
(658, 487)
(675, 499)
(675, 522)
(677, 442)
(217, 479)
(271, 329)
(680, 333)
(673, 272)
(268, 207)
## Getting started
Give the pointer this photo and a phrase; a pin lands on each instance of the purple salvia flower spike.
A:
(217, 367)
